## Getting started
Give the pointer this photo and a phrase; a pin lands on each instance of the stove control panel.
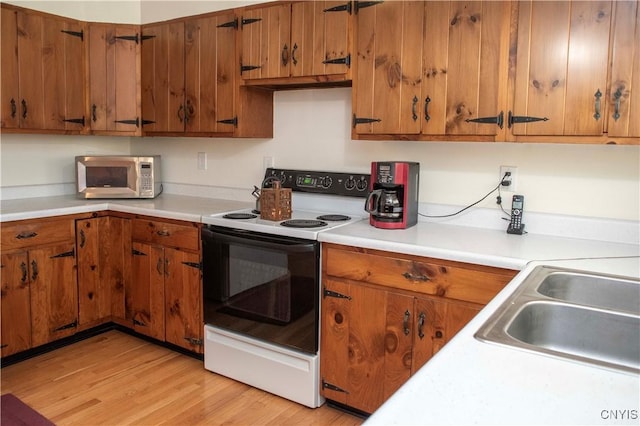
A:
(331, 183)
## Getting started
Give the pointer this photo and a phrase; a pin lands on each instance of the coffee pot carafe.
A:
(384, 203)
(392, 202)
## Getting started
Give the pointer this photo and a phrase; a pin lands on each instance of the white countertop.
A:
(168, 206)
(473, 382)
(468, 381)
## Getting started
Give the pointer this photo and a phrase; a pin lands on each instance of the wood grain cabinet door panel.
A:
(15, 309)
(145, 294)
(10, 101)
(561, 67)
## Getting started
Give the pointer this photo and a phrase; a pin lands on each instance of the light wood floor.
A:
(117, 379)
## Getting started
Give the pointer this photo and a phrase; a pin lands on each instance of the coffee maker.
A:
(393, 194)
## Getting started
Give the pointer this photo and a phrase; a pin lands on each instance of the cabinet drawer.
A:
(167, 234)
(36, 233)
(471, 283)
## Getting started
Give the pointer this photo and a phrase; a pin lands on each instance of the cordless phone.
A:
(515, 225)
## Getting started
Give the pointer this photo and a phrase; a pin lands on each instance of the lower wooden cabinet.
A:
(39, 285)
(164, 298)
(376, 333)
(104, 265)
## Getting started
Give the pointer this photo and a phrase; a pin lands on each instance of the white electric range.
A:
(261, 284)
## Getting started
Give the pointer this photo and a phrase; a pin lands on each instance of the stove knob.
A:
(327, 182)
(350, 183)
(362, 184)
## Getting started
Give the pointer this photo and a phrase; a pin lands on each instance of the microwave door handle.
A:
(258, 241)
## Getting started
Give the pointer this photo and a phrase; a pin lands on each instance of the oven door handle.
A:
(260, 241)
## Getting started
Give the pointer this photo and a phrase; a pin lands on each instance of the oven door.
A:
(263, 286)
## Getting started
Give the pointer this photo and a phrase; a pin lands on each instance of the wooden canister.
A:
(275, 202)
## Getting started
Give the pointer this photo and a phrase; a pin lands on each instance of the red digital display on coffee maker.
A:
(393, 194)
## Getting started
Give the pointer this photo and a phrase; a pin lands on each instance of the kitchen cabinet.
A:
(623, 107)
(433, 70)
(560, 79)
(164, 298)
(288, 43)
(42, 87)
(385, 314)
(114, 79)
(190, 84)
(104, 266)
(39, 284)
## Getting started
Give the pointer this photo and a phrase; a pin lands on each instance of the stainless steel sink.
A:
(573, 315)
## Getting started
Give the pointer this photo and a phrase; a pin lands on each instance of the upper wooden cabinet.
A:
(189, 82)
(560, 79)
(114, 79)
(431, 69)
(43, 84)
(623, 93)
(304, 42)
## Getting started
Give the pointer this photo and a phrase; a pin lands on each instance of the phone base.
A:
(517, 231)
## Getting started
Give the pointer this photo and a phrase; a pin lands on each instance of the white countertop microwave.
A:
(118, 176)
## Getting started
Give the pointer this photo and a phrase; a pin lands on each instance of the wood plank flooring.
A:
(118, 379)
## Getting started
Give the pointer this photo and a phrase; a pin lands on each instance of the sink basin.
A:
(604, 292)
(582, 333)
(573, 315)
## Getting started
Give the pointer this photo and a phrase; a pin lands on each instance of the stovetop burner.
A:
(333, 217)
(239, 216)
(303, 223)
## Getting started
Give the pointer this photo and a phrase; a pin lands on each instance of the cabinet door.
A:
(10, 101)
(183, 300)
(31, 83)
(561, 67)
(266, 45)
(462, 56)
(436, 322)
(15, 309)
(386, 86)
(210, 74)
(54, 293)
(163, 77)
(103, 268)
(320, 38)
(145, 294)
(366, 344)
(113, 78)
(624, 91)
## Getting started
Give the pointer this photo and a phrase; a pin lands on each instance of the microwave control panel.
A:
(146, 177)
(319, 182)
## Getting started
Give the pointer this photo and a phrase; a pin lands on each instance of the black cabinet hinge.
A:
(330, 293)
(74, 120)
(138, 253)
(70, 253)
(135, 38)
(74, 324)
(340, 8)
(364, 120)
(230, 24)
(345, 61)
(362, 4)
(136, 322)
(248, 21)
(498, 119)
(244, 68)
(515, 119)
(194, 341)
(335, 388)
(146, 37)
(197, 265)
(135, 122)
(233, 121)
(79, 34)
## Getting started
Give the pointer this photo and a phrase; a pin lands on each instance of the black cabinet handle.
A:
(285, 55)
(427, 101)
(421, 320)
(597, 97)
(34, 270)
(14, 108)
(414, 106)
(24, 109)
(405, 322)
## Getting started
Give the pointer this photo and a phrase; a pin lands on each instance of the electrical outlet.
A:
(202, 161)
(509, 182)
